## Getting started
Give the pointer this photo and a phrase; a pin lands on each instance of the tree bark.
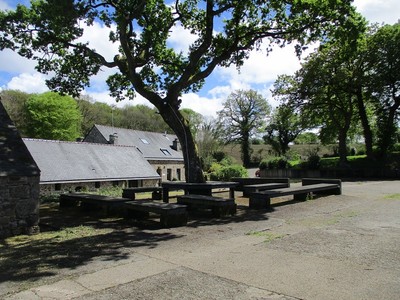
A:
(342, 146)
(192, 162)
(388, 130)
(365, 123)
(246, 150)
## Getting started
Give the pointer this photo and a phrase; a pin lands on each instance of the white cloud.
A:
(13, 63)
(29, 83)
(379, 11)
(180, 39)
(202, 105)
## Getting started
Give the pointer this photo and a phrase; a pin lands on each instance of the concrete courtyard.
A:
(333, 247)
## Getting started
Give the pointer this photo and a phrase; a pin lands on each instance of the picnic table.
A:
(204, 188)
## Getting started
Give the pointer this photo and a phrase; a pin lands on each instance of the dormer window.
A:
(144, 141)
(165, 151)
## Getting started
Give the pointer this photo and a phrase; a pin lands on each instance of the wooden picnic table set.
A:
(259, 190)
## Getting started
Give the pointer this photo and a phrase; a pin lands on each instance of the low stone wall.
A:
(333, 173)
(48, 189)
(19, 205)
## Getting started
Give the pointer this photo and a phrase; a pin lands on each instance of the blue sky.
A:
(258, 73)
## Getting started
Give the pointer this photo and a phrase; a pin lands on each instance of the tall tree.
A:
(283, 128)
(384, 82)
(319, 90)
(243, 115)
(225, 32)
(52, 116)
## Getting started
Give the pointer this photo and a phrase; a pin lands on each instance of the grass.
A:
(392, 197)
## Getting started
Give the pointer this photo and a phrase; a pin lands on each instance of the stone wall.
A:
(19, 182)
(19, 205)
(169, 170)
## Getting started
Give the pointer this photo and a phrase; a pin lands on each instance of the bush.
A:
(219, 156)
(274, 163)
(225, 173)
(313, 161)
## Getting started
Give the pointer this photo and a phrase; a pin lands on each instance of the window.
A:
(169, 174)
(178, 174)
(144, 141)
(57, 187)
(165, 151)
(97, 184)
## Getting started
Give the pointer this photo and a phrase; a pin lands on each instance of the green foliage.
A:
(225, 173)
(274, 163)
(306, 138)
(383, 82)
(283, 128)
(14, 103)
(52, 116)
(243, 115)
(313, 161)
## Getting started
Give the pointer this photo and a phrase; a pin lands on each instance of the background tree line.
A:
(52, 116)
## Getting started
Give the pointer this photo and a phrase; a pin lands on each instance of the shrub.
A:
(396, 147)
(313, 161)
(274, 163)
(225, 173)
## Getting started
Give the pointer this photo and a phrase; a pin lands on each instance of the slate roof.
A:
(15, 159)
(153, 145)
(63, 162)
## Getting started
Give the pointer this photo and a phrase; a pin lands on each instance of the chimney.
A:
(113, 139)
(175, 145)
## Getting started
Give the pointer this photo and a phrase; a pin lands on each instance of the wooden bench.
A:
(242, 182)
(130, 193)
(90, 201)
(262, 199)
(171, 214)
(254, 188)
(219, 206)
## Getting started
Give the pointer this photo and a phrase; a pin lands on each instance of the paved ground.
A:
(334, 247)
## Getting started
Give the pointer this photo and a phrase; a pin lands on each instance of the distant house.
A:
(19, 182)
(75, 166)
(161, 150)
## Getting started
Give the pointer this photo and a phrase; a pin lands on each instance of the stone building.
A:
(19, 182)
(161, 150)
(80, 166)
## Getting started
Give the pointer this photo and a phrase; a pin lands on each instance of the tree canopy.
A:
(341, 86)
(52, 116)
(244, 114)
(283, 128)
(224, 31)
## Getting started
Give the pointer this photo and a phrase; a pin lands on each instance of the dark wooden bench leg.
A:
(156, 195)
(260, 202)
(221, 211)
(301, 197)
(173, 220)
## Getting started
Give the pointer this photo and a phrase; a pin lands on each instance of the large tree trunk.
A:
(342, 146)
(365, 124)
(246, 150)
(387, 131)
(173, 117)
